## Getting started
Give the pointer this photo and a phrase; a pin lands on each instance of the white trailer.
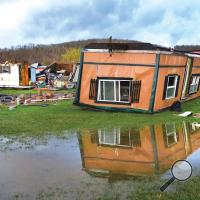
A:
(9, 75)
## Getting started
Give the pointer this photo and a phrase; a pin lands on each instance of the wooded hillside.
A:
(47, 54)
(64, 52)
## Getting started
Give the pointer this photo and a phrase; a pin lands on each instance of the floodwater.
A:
(93, 164)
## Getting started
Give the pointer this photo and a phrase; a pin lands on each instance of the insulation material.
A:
(24, 75)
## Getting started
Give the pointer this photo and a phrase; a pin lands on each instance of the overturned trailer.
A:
(136, 77)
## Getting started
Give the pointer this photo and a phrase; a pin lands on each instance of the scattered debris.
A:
(195, 125)
(185, 114)
(43, 78)
(36, 75)
(43, 95)
(40, 105)
(176, 106)
(55, 75)
(70, 85)
(197, 115)
(6, 98)
(11, 107)
(8, 101)
(35, 69)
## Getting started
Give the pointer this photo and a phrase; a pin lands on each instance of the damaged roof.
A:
(127, 46)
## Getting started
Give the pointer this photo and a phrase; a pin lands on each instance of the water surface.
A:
(96, 163)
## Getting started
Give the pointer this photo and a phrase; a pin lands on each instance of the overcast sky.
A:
(164, 22)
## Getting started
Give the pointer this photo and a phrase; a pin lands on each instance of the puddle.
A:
(94, 164)
(14, 143)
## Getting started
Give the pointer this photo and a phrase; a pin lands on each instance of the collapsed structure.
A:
(55, 75)
(136, 77)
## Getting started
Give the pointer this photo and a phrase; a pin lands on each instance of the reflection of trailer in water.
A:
(195, 125)
(136, 152)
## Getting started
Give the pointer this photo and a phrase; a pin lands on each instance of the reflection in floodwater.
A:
(150, 150)
(46, 170)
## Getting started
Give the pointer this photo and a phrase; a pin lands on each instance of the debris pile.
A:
(4, 98)
(22, 75)
(45, 79)
(45, 97)
(29, 99)
(55, 76)
(9, 101)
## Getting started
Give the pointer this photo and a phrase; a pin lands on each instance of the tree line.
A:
(65, 52)
(47, 54)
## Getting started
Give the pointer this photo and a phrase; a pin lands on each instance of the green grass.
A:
(149, 190)
(40, 121)
(66, 116)
(29, 91)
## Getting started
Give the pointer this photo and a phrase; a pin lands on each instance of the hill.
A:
(45, 54)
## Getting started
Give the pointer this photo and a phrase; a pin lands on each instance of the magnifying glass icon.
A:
(181, 170)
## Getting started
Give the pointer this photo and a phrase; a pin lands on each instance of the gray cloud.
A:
(157, 21)
(97, 18)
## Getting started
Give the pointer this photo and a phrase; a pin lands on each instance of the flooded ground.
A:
(94, 164)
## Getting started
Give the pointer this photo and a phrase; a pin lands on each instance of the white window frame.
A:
(5, 66)
(195, 82)
(170, 87)
(116, 133)
(171, 133)
(194, 126)
(115, 94)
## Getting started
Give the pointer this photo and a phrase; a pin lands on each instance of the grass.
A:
(37, 120)
(29, 91)
(148, 189)
(188, 190)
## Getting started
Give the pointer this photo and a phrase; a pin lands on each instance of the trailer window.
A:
(5, 69)
(115, 137)
(170, 134)
(108, 90)
(171, 86)
(114, 90)
(194, 84)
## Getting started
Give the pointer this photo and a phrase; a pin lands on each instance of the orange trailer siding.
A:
(137, 160)
(144, 73)
(120, 57)
(173, 64)
(195, 70)
(149, 67)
